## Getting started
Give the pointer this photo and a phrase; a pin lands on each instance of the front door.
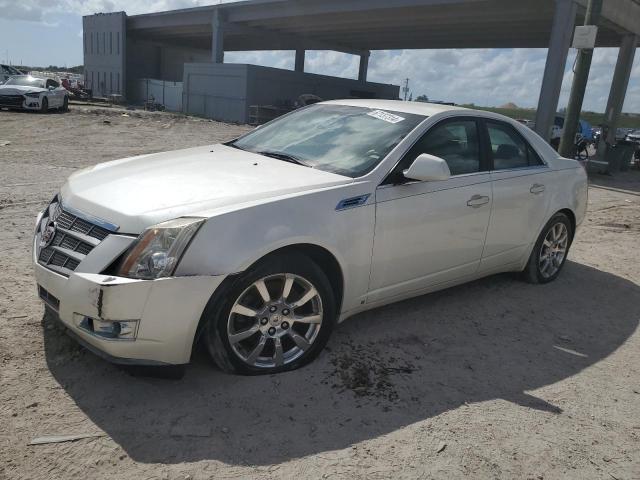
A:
(428, 233)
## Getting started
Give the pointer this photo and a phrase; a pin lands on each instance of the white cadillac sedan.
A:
(25, 92)
(260, 246)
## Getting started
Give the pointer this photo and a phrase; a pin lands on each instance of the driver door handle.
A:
(537, 188)
(478, 200)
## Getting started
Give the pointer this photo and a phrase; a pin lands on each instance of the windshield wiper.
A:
(232, 144)
(283, 156)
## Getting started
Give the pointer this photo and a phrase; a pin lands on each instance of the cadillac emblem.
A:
(48, 234)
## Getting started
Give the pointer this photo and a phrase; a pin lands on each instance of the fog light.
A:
(113, 330)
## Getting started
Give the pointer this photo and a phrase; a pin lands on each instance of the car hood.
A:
(138, 192)
(19, 89)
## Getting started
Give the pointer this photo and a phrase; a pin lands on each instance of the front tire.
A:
(65, 104)
(44, 106)
(550, 251)
(275, 317)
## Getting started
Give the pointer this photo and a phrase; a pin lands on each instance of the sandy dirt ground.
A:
(496, 379)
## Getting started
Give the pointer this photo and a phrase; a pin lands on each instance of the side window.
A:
(509, 149)
(454, 141)
(52, 83)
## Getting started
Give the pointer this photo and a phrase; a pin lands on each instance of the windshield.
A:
(26, 82)
(340, 139)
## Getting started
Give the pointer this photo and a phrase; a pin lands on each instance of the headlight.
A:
(32, 95)
(158, 249)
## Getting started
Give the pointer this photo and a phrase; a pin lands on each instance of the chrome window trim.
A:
(519, 169)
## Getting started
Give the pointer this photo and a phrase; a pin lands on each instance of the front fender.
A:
(231, 242)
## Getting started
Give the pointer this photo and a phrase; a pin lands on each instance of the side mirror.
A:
(428, 168)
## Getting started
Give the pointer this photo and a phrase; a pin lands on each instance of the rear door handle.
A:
(537, 188)
(478, 200)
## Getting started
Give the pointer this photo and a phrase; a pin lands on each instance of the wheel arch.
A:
(572, 218)
(325, 259)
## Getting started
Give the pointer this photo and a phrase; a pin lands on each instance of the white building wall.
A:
(104, 46)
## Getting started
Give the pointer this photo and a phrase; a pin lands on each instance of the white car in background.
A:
(24, 92)
(260, 246)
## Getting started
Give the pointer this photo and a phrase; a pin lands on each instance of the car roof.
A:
(416, 108)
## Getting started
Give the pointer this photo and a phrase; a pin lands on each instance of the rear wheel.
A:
(277, 316)
(550, 251)
(44, 106)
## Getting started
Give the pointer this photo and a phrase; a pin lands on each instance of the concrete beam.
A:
(619, 86)
(217, 37)
(364, 66)
(288, 39)
(300, 54)
(561, 33)
(251, 11)
(624, 14)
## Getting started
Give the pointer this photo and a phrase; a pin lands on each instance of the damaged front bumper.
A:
(144, 322)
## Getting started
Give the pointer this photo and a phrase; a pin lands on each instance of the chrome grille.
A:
(76, 224)
(73, 239)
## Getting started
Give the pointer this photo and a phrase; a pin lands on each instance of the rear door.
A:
(521, 184)
(429, 233)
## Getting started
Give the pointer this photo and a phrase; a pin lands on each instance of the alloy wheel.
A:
(275, 320)
(554, 250)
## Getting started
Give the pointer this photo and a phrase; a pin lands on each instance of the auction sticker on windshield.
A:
(386, 116)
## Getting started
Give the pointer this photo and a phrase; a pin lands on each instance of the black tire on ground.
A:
(532, 272)
(44, 106)
(217, 312)
(65, 104)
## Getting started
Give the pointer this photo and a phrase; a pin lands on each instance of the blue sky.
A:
(40, 32)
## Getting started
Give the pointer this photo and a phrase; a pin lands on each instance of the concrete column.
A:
(217, 38)
(364, 66)
(300, 54)
(618, 92)
(561, 35)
